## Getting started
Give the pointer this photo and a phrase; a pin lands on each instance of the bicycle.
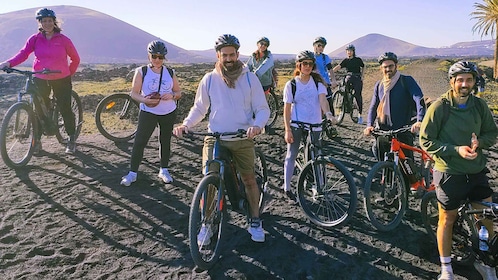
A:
(116, 117)
(343, 101)
(326, 190)
(273, 103)
(29, 116)
(465, 245)
(386, 189)
(209, 203)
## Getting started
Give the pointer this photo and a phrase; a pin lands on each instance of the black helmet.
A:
(350, 47)
(320, 40)
(388, 56)
(264, 39)
(226, 40)
(157, 47)
(41, 13)
(303, 55)
(462, 67)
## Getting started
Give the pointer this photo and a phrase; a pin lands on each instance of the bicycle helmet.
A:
(462, 67)
(44, 12)
(157, 47)
(320, 40)
(388, 56)
(226, 40)
(264, 39)
(303, 55)
(350, 47)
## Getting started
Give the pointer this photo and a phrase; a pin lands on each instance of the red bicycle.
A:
(389, 182)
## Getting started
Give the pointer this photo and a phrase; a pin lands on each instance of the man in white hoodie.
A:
(235, 100)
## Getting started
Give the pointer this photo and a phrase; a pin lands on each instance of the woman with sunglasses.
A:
(304, 100)
(157, 91)
(261, 63)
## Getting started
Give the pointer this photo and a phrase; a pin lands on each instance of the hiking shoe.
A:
(37, 148)
(71, 146)
(360, 120)
(487, 272)
(291, 197)
(129, 179)
(204, 236)
(446, 276)
(165, 176)
(256, 230)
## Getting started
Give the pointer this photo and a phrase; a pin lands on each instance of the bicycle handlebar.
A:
(305, 124)
(379, 132)
(30, 73)
(241, 133)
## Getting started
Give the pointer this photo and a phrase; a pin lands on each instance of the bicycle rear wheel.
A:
(272, 100)
(463, 231)
(354, 112)
(339, 106)
(77, 110)
(116, 117)
(208, 213)
(261, 172)
(385, 196)
(327, 192)
(17, 135)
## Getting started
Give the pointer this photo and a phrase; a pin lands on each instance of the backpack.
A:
(293, 87)
(144, 72)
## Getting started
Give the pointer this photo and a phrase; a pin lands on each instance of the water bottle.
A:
(483, 239)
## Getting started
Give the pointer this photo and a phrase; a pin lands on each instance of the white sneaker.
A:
(256, 230)
(204, 236)
(446, 276)
(487, 272)
(165, 176)
(130, 178)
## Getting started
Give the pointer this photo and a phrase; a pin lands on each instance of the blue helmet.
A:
(44, 12)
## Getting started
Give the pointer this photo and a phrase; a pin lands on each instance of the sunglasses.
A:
(320, 45)
(307, 63)
(264, 44)
(156, 56)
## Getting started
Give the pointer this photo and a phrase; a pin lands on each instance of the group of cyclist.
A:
(233, 96)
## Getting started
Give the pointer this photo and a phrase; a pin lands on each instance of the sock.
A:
(446, 265)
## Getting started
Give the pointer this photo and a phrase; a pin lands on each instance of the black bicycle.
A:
(273, 103)
(116, 117)
(29, 116)
(465, 245)
(326, 189)
(208, 210)
(343, 101)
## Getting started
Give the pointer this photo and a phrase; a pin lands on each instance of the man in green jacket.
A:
(456, 140)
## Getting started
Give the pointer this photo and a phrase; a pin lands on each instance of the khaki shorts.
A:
(242, 153)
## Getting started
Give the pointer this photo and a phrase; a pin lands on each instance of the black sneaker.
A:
(291, 197)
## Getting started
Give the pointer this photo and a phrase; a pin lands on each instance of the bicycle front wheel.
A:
(354, 112)
(272, 100)
(206, 221)
(116, 117)
(17, 135)
(327, 192)
(261, 172)
(339, 106)
(463, 231)
(77, 109)
(385, 196)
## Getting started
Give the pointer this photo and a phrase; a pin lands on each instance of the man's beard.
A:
(463, 92)
(229, 65)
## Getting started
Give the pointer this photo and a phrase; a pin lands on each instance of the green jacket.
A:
(442, 140)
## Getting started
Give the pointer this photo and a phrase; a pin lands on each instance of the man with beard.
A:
(456, 142)
(392, 103)
(235, 100)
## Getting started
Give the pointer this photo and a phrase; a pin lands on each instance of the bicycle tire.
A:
(384, 204)
(339, 106)
(332, 205)
(116, 117)
(77, 109)
(463, 231)
(272, 100)
(354, 112)
(261, 172)
(17, 135)
(205, 256)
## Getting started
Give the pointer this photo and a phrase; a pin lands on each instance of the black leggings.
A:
(147, 123)
(62, 89)
(357, 84)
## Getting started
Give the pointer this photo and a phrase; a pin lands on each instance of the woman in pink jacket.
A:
(51, 50)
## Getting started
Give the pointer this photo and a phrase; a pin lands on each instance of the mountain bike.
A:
(343, 101)
(386, 187)
(465, 246)
(29, 117)
(273, 103)
(116, 117)
(326, 190)
(210, 203)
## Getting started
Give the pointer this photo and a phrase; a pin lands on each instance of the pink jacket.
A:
(50, 54)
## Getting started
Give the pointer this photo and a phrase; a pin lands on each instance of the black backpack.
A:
(293, 87)
(144, 72)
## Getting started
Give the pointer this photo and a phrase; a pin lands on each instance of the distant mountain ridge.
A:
(101, 38)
